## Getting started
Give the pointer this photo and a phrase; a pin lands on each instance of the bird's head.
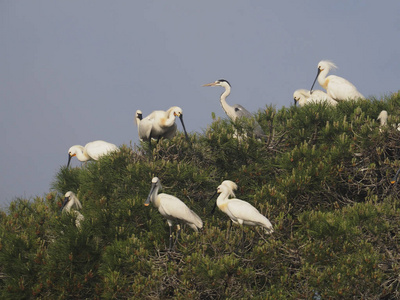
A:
(139, 114)
(220, 82)
(155, 183)
(326, 65)
(71, 153)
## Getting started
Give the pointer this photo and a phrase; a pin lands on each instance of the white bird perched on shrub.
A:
(173, 209)
(71, 200)
(91, 151)
(383, 118)
(239, 211)
(159, 124)
(336, 87)
(303, 97)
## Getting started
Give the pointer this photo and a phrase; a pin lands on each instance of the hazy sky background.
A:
(72, 72)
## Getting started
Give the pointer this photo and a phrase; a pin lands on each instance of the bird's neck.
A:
(154, 198)
(81, 154)
(229, 110)
(322, 80)
(170, 118)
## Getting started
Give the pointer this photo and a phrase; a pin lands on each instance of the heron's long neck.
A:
(229, 110)
(81, 154)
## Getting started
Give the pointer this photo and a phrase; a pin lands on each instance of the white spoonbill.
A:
(93, 150)
(303, 97)
(336, 87)
(173, 209)
(159, 124)
(69, 201)
(383, 118)
(235, 111)
(239, 211)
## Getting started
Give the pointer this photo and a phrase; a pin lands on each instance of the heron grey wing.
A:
(241, 112)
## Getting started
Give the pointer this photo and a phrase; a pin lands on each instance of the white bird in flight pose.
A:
(71, 200)
(336, 87)
(239, 211)
(93, 150)
(235, 111)
(303, 97)
(159, 124)
(173, 209)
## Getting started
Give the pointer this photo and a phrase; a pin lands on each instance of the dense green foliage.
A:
(322, 176)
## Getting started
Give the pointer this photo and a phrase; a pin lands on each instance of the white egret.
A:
(173, 209)
(303, 97)
(71, 200)
(159, 124)
(93, 150)
(336, 87)
(235, 111)
(239, 211)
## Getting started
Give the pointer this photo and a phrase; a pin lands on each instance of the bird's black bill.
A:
(147, 202)
(295, 102)
(215, 204)
(66, 199)
(316, 77)
(183, 125)
(394, 179)
(69, 160)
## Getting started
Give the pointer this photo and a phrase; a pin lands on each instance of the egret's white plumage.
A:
(71, 200)
(172, 208)
(336, 87)
(235, 111)
(159, 124)
(303, 97)
(93, 150)
(239, 211)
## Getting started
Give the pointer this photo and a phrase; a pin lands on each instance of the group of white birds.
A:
(161, 124)
(337, 88)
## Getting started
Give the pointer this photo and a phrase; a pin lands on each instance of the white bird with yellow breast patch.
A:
(336, 87)
(239, 211)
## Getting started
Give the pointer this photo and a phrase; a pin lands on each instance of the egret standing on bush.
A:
(159, 124)
(235, 111)
(93, 150)
(71, 200)
(336, 87)
(239, 211)
(173, 209)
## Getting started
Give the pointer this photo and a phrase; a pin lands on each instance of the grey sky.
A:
(72, 72)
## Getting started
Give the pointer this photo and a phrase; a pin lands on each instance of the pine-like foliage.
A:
(321, 175)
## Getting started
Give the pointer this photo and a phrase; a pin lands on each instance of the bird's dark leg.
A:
(158, 139)
(178, 227)
(170, 238)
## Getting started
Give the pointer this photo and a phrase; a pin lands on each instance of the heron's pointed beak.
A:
(316, 77)
(295, 102)
(66, 199)
(183, 125)
(148, 200)
(209, 84)
(394, 179)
